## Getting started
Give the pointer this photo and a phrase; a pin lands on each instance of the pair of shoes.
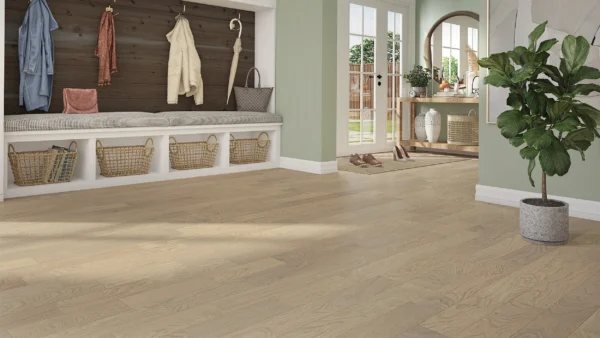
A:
(365, 161)
(400, 154)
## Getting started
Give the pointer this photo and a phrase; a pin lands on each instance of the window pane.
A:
(446, 63)
(398, 26)
(368, 127)
(446, 31)
(455, 64)
(354, 91)
(391, 125)
(394, 56)
(368, 92)
(356, 19)
(470, 37)
(355, 53)
(393, 92)
(370, 21)
(455, 36)
(391, 23)
(354, 127)
(368, 55)
(475, 45)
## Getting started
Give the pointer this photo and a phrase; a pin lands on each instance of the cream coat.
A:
(184, 65)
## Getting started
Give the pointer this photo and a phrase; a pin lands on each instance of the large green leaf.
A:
(517, 141)
(499, 62)
(536, 35)
(547, 87)
(547, 45)
(575, 50)
(512, 123)
(514, 100)
(581, 135)
(538, 138)
(586, 89)
(579, 140)
(498, 79)
(589, 114)
(557, 110)
(585, 73)
(521, 55)
(553, 73)
(536, 102)
(555, 160)
(529, 153)
(530, 169)
(567, 125)
(525, 72)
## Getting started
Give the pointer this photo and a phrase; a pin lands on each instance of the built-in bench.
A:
(42, 131)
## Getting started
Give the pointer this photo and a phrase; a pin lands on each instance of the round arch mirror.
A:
(450, 41)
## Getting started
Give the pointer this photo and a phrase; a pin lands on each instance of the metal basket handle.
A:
(472, 110)
(215, 144)
(149, 149)
(71, 146)
(266, 141)
(100, 153)
(11, 149)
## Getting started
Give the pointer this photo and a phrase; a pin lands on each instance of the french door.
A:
(374, 53)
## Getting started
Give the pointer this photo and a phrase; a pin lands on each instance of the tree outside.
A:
(450, 73)
(368, 55)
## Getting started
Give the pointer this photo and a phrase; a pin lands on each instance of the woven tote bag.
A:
(253, 99)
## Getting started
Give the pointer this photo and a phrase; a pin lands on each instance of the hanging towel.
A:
(107, 49)
(36, 56)
(184, 76)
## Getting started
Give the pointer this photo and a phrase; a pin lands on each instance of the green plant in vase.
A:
(418, 78)
(546, 120)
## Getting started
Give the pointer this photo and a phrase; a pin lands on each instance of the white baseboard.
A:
(319, 168)
(577, 208)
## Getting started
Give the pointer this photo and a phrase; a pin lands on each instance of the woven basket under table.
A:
(246, 151)
(193, 155)
(463, 130)
(125, 160)
(42, 167)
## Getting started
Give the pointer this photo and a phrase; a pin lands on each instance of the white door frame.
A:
(344, 76)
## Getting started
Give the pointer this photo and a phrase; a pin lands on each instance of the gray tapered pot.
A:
(545, 224)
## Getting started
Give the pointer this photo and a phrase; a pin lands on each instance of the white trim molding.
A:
(577, 208)
(313, 167)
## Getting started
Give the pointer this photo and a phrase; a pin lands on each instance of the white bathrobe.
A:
(184, 65)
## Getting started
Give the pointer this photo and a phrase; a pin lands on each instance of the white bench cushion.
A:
(207, 118)
(41, 122)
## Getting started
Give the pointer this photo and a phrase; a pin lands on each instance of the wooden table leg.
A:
(413, 115)
(400, 118)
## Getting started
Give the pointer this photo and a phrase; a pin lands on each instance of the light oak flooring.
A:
(286, 254)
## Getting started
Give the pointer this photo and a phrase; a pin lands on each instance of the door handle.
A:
(379, 77)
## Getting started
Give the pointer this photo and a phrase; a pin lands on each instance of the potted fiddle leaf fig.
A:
(546, 120)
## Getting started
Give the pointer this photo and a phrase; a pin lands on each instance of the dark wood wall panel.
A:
(143, 53)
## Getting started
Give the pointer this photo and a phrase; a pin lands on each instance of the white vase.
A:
(433, 125)
(420, 127)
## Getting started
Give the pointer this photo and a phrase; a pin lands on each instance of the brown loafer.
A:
(371, 160)
(355, 160)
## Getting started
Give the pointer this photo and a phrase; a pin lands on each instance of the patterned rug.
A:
(418, 160)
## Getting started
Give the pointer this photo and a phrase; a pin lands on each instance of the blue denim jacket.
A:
(36, 56)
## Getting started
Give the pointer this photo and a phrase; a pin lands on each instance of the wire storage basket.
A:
(463, 130)
(125, 160)
(246, 151)
(193, 155)
(56, 165)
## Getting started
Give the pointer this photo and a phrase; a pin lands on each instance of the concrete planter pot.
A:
(545, 224)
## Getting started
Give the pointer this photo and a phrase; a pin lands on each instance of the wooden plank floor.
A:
(286, 254)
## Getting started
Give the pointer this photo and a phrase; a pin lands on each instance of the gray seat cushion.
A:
(41, 122)
(206, 118)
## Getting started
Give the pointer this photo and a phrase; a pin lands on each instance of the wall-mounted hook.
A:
(232, 25)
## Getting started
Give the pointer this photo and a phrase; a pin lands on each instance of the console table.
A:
(413, 143)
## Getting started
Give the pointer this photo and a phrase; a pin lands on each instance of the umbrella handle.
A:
(232, 25)
(248, 76)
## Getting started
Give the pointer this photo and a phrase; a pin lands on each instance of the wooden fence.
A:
(369, 84)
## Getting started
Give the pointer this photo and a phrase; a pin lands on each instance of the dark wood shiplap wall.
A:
(143, 52)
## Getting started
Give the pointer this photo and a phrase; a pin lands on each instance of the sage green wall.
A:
(428, 12)
(500, 164)
(306, 64)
